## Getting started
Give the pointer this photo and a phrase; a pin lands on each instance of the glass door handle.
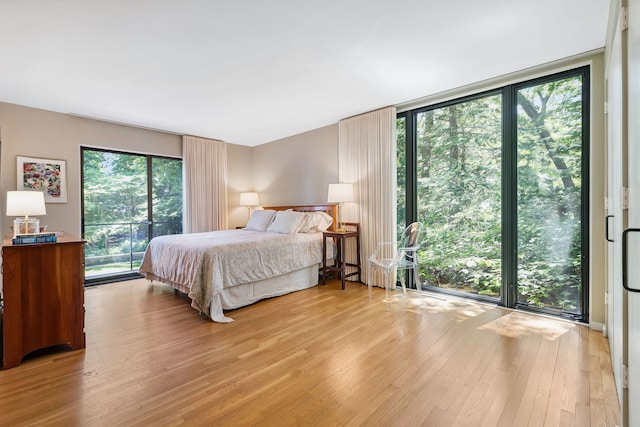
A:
(606, 228)
(625, 283)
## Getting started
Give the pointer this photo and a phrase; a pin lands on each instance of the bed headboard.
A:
(331, 210)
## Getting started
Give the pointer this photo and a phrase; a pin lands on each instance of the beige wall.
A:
(38, 133)
(239, 180)
(597, 244)
(298, 169)
(294, 170)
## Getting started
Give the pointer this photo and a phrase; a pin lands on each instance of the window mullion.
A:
(509, 198)
(150, 197)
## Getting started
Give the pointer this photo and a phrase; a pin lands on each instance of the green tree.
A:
(459, 194)
(167, 196)
(549, 194)
(115, 202)
(459, 182)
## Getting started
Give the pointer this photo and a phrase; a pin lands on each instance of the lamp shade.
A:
(249, 199)
(25, 203)
(340, 193)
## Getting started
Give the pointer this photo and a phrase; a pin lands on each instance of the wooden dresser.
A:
(43, 297)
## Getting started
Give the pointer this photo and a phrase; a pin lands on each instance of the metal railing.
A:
(118, 247)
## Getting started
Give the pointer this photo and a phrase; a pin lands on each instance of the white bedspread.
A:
(205, 263)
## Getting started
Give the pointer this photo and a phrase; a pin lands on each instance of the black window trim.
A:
(129, 275)
(509, 220)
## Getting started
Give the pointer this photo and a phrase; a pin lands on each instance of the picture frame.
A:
(47, 175)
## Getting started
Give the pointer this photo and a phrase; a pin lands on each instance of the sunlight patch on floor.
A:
(512, 324)
(416, 302)
(517, 325)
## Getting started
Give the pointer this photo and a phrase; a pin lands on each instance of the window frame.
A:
(116, 277)
(509, 219)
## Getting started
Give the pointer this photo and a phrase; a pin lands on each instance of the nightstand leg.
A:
(358, 258)
(342, 264)
(324, 260)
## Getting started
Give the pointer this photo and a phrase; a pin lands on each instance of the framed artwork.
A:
(49, 176)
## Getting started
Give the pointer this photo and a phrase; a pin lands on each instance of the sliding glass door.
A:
(499, 181)
(127, 199)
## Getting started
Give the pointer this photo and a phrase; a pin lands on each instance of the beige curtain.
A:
(367, 159)
(205, 184)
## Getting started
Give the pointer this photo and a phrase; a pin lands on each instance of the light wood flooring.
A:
(321, 356)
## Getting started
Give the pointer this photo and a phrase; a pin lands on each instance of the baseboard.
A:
(597, 326)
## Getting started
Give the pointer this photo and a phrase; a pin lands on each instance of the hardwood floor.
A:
(321, 356)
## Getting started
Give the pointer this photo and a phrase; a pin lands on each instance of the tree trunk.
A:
(454, 152)
(547, 140)
(569, 204)
(426, 146)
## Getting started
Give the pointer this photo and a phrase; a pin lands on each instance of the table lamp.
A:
(340, 194)
(23, 204)
(249, 200)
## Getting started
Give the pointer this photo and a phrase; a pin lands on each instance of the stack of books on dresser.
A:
(27, 239)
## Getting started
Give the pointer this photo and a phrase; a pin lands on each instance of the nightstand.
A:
(339, 264)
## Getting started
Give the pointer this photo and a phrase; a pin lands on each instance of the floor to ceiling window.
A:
(127, 199)
(549, 193)
(499, 180)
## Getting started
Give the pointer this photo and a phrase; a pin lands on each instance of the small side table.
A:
(340, 265)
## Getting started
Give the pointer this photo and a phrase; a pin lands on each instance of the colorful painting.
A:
(44, 175)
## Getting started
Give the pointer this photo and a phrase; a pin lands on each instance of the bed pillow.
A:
(307, 222)
(315, 222)
(324, 222)
(286, 222)
(260, 220)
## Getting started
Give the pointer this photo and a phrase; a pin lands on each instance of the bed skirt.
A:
(249, 293)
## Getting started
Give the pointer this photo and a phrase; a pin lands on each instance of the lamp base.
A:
(26, 226)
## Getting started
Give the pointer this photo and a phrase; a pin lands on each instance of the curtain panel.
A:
(367, 151)
(205, 184)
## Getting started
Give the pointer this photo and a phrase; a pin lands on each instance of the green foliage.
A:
(115, 190)
(549, 194)
(167, 190)
(459, 185)
(401, 178)
(459, 167)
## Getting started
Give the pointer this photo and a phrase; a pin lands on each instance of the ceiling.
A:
(250, 72)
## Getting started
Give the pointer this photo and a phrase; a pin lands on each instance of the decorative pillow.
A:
(286, 222)
(260, 220)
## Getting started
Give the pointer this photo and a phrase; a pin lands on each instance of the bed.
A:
(278, 252)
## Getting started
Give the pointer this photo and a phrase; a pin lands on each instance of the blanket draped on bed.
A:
(205, 263)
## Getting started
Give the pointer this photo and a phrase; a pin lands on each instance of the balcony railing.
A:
(117, 248)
